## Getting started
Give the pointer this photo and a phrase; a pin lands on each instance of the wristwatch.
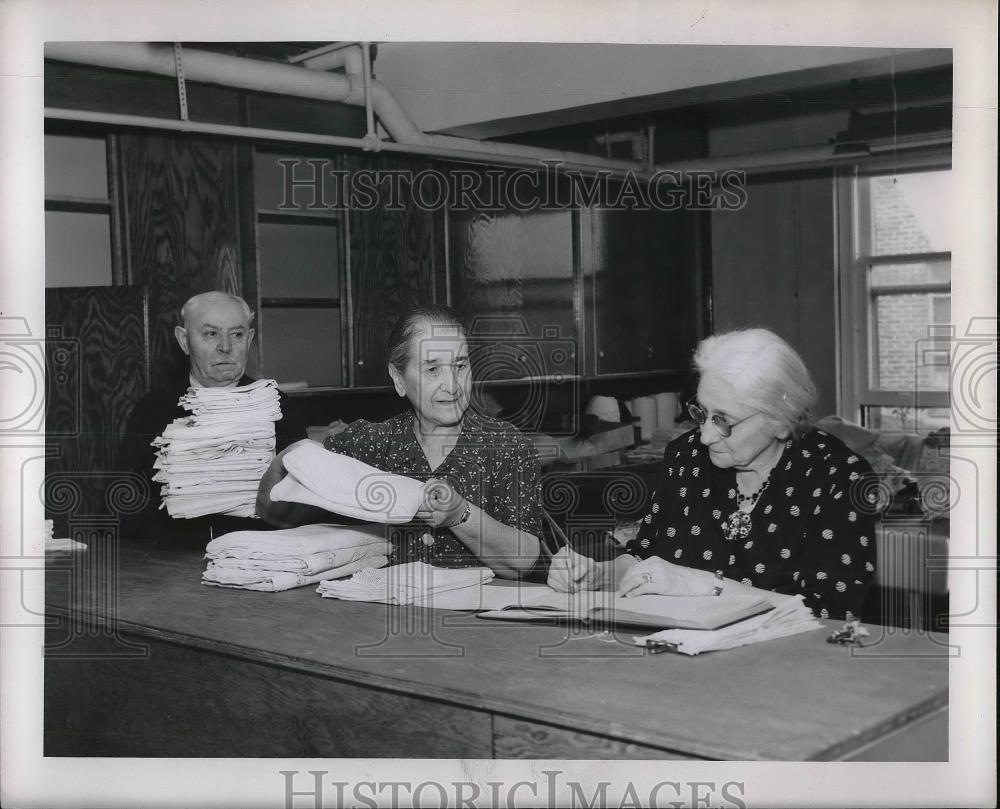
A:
(465, 516)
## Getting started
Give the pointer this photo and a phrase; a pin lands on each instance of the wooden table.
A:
(143, 660)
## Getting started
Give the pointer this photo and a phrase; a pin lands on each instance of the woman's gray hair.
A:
(397, 348)
(767, 374)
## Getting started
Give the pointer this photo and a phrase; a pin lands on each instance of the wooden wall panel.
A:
(183, 231)
(392, 259)
(96, 371)
(773, 266)
(773, 261)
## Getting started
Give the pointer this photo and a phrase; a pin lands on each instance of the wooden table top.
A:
(788, 699)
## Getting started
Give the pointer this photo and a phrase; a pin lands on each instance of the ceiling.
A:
(496, 89)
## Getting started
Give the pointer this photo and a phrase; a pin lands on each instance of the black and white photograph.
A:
(577, 405)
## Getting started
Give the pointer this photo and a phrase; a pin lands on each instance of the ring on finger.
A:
(647, 578)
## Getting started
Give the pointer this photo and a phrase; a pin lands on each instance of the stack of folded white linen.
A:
(347, 486)
(293, 557)
(54, 543)
(790, 616)
(412, 583)
(211, 462)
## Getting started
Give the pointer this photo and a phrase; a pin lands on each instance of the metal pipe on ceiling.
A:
(308, 138)
(309, 57)
(274, 77)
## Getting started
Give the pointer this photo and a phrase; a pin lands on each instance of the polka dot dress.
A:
(812, 530)
(493, 466)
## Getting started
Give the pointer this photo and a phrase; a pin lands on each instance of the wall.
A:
(773, 262)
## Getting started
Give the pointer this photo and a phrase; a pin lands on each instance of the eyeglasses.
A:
(725, 428)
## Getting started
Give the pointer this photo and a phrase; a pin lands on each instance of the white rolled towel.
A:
(666, 409)
(347, 486)
(644, 409)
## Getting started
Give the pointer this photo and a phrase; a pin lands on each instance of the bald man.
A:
(215, 333)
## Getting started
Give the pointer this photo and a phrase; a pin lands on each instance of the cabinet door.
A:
(642, 288)
(394, 258)
(513, 274)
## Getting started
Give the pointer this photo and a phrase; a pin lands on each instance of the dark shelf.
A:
(298, 217)
(302, 303)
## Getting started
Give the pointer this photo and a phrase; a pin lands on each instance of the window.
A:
(895, 295)
(298, 256)
(79, 243)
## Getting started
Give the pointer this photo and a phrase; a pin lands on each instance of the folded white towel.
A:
(309, 563)
(300, 541)
(413, 583)
(345, 485)
(187, 506)
(275, 581)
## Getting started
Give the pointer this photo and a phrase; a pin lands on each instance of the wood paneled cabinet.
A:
(331, 251)
(642, 289)
(342, 249)
(395, 254)
(514, 275)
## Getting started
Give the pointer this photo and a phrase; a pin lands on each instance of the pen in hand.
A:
(571, 571)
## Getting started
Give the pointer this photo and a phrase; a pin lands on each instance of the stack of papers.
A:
(689, 624)
(271, 561)
(212, 461)
(790, 616)
(413, 583)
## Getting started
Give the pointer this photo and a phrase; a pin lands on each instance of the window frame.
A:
(324, 217)
(857, 333)
(111, 206)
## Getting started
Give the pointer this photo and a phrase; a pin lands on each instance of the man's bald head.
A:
(215, 333)
(192, 304)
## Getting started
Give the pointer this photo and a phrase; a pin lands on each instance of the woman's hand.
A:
(570, 571)
(657, 576)
(443, 507)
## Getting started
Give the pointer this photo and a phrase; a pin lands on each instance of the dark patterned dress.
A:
(493, 466)
(812, 530)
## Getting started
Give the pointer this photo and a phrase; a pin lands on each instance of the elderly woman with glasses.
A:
(752, 497)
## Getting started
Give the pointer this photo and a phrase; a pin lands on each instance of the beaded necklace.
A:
(738, 524)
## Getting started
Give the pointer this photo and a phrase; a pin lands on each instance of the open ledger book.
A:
(604, 608)
(687, 624)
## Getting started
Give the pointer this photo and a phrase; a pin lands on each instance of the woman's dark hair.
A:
(397, 348)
